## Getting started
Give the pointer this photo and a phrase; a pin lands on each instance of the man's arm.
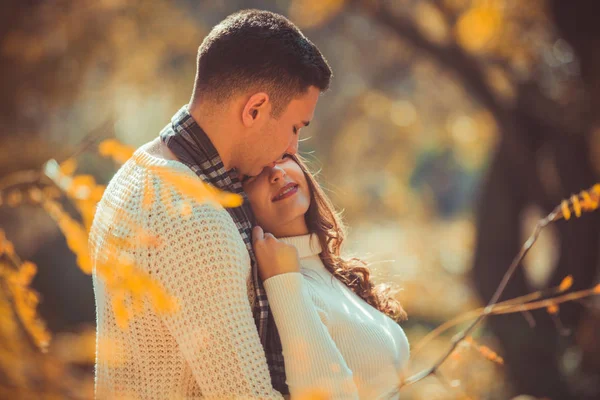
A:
(201, 263)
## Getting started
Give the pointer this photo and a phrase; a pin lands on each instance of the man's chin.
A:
(243, 173)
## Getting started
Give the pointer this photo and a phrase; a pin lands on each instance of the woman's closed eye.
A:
(248, 178)
(284, 158)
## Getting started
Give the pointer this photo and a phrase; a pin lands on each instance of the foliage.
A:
(424, 99)
(129, 285)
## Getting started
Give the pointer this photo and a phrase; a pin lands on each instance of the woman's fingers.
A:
(269, 236)
(257, 234)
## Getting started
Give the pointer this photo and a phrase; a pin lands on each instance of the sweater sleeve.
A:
(201, 262)
(312, 359)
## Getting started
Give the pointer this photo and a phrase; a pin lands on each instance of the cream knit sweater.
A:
(211, 347)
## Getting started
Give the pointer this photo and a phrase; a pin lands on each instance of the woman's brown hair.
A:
(323, 220)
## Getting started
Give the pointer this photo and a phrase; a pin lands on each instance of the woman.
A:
(338, 331)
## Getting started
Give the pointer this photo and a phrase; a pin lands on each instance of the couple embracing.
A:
(268, 306)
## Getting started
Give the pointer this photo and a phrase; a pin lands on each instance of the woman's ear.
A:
(257, 108)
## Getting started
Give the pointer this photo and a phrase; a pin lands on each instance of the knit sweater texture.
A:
(210, 348)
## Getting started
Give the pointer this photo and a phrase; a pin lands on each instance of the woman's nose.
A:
(276, 173)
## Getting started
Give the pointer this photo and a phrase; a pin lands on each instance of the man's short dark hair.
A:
(254, 49)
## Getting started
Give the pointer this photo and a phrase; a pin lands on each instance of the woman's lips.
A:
(287, 193)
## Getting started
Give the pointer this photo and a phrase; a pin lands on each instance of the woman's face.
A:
(280, 198)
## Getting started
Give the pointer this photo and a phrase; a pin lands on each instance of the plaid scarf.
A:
(186, 139)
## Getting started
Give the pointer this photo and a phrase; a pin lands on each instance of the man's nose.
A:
(293, 147)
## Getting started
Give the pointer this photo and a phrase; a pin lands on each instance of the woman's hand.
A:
(273, 257)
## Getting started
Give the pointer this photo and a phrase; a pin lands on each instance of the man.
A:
(257, 84)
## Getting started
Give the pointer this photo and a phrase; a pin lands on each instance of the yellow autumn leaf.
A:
(25, 301)
(576, 205)
(490, 354)
(226, 199)
(194, 188)
(14, 198)
(130, 285)
(6, 246)
(83, 180)
(566, 283)
(431, 22)
(120, 309)
(27, 272)
(585, 201)
(75, 234)
(588, 203)
(116, 150)
(107, 147)
(68, 166)
(591, 198)
(478, 26)
(35, 194)
(566, 211)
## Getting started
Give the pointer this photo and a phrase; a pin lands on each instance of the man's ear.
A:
(257, 107)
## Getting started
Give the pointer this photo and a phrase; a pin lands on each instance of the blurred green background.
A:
(451, 126)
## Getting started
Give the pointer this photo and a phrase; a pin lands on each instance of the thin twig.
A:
(493, 307)
(475, 313)
(488, 309)
(91, 138)
(27, 177)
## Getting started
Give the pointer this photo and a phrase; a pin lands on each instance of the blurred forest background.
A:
(451, 127)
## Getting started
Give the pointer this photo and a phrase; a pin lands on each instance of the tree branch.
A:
(585, 201)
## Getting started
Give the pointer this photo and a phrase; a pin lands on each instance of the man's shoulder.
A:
(157, 148)
(137, 188)
(143, 164)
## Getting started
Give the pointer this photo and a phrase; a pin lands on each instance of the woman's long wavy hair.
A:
(323, 220)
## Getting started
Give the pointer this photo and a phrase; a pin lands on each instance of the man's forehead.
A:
(304, 106)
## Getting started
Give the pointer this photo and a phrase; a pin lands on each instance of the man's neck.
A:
(218, 131)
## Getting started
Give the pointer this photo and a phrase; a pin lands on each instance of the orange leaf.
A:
(118, 151)
(565, 210)
(588, 203)
(566, 283)
(68, 166)
(195, 188)
(576, 205)
(552, 309)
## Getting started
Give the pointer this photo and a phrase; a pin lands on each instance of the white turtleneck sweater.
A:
(332, 339)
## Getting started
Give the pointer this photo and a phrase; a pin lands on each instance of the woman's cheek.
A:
(261, 213)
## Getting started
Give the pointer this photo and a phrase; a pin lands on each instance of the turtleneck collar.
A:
(308, 245)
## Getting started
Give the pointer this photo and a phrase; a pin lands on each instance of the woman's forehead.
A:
(286, 163)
